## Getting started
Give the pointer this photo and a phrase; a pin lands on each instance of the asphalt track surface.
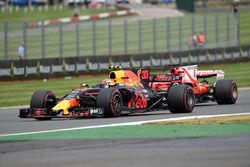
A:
(10, 123)
(229, 151)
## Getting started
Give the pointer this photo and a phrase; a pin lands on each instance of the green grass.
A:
(36, 15)
(245, 28)
(19, 92)
(139, 132)
(221, 120)
(237, 71)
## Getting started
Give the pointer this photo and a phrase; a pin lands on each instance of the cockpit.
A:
(73, 94)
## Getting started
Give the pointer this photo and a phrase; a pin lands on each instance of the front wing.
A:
(44, 113)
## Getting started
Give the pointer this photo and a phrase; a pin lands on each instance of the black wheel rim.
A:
(50, 101)
(117, 103)
(234, 92)
(190, 99)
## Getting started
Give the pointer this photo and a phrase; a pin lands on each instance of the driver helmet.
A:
(106, 83)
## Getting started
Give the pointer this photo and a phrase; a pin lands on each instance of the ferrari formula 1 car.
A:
(222, 91)
(123, 92)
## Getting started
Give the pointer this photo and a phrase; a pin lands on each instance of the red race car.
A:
(222, 91)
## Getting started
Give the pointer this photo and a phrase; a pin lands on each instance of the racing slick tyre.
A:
(111, 101)
(180, 99)
(226, 92)
(42, 99)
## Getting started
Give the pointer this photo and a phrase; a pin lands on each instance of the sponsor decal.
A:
(4, 71)
(81, 67)
(70, 67)
(125, 64)
(57, 68)
(31, 70)
(228, 55)
(175, 60)
(44, 69)
(146, 63)
(116, 64)
(136, 63)
(140, 101)
(219, 56)
(144, 74)
(156, 62)
(236, 54)
(184, 59)
(93, 66)
(244, 53)
(98, 111)
(165, 62)
(19, 70)
(103, 66)
(163, 77)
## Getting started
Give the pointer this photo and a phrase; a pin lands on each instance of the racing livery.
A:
(222, 91)
(123, 92)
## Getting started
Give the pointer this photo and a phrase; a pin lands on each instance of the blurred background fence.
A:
(119, 37)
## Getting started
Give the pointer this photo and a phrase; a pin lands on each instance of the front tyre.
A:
(226, 92)
(43, 99)
(180, 99)
(111, 101)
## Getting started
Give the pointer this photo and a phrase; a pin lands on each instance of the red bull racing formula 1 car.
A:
(123, 92)
(222, 91)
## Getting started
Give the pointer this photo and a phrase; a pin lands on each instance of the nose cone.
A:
(65, 105)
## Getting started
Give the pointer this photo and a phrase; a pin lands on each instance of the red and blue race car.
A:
(123, 92)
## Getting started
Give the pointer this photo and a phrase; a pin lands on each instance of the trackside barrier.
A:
(74, 37)
(73, 66)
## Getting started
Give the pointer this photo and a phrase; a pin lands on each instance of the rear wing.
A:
(210, 73)
(144, 75)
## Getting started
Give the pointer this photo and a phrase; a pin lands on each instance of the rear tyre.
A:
(226, 92)
(180, 99)
(111, 101)
(43, 99)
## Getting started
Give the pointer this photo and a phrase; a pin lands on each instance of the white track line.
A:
(246, 88)
(13, 107)
(123, 124)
